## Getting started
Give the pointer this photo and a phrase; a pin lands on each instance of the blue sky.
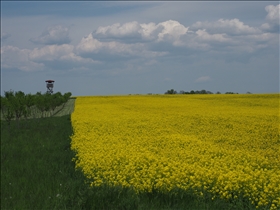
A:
(140, 47)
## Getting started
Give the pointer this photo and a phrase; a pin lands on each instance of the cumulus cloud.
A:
(168, 30)
(59, 57)
(204, 35)
(230, 27)
(16, 58)
(118, 30)
(231, 36)
(54, 56)
(50, 52)
(144, 41)
(133, 39)
(273, 13)
(53, 35)
(57, 52)
(149, 31)
(171, 29)
(172, 36)
(91, 46)
(273, 21)
(203, 79)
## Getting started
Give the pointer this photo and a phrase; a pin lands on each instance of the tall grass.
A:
(36, 167)
(37, 172)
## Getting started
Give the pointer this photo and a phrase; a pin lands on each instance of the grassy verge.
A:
(36, 167)
(67, 108)
(37, 172)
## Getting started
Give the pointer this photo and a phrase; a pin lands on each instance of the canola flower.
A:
(225, 145)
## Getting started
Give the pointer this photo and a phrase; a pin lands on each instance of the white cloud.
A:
(226, 34)
(264, 37)
(118, 30)
(53, 35)
(273, 13)
(60, 57)
(170, 29)
(231, 27)
(90, 45)
(149, 40)
(203, 79)
(255, 42)
(149, 31)
(54, 56)
(204, 35)
(50, 52)
(75, 58)
(56, 52)
(13, 57)
(273, 19)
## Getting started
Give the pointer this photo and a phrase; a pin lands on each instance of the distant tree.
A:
(203, 92)
(171, 91)
(56, 100)
(18, 102)
(230, 93)
(47, 97)
(66, 96)
(29, 102)
(7, 107)
(249, 92)
(40, 102)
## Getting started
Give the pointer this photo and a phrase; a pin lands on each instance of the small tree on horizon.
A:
(171, 91)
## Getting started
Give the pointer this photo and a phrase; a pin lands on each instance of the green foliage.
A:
(15, 105)
(66, 96)
(29, 102)
(230, 93)
(7, 109)
(18, 101)
(171, 91)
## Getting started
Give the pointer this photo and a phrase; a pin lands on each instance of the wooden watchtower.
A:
(49, 84)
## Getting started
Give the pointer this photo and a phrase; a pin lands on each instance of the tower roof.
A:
(49, 81)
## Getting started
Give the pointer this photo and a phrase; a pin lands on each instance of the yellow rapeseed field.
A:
(226, 146)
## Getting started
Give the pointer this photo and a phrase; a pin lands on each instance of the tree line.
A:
(18, 105)
(172, 91)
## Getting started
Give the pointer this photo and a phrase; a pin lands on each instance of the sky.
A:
(140, 47)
